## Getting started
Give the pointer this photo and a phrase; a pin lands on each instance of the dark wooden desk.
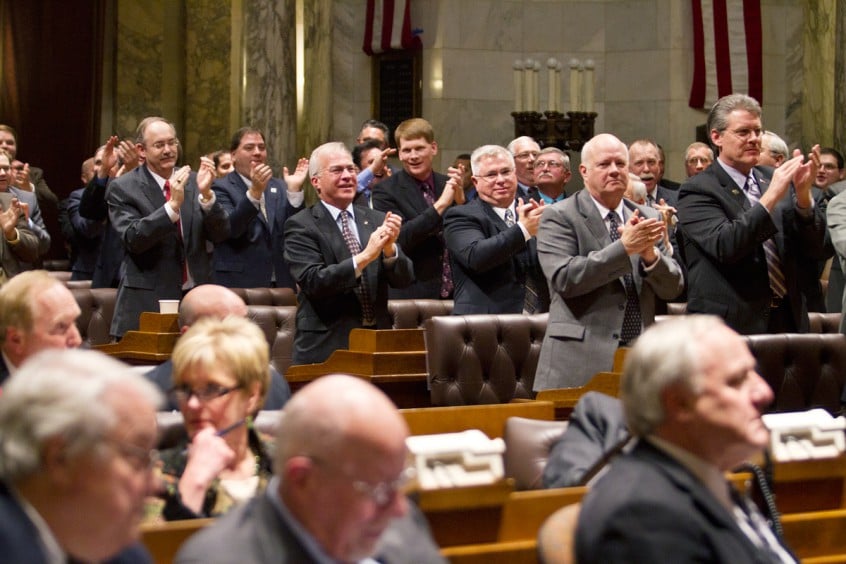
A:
(151, 344)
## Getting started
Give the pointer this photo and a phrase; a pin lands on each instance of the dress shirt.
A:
(501, 213)
(740, 179)
(620, 210)
(335, 213)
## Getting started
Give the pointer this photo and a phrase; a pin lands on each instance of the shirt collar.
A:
(738, 177)
(335, 212)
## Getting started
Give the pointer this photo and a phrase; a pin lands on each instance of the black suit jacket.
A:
(254, 250)
(421, 236)
(490, 262)
(649, 508)
(19, 540)
(722, 240)
(322, 265)
(92, 206)
(154, 249)
(87, 238)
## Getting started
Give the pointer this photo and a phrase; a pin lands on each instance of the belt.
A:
(776, 301)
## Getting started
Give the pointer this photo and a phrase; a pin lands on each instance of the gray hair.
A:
(669, 353)
(489, 151)
(697, 145)
(60, 394)
(565, 158)
(521, 139)
(315, 161)
(718, 116)
(775, 144)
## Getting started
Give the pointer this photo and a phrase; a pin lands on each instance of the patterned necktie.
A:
(531, 301)
(774, 269)
(367, 310)
(263, 207)
(754, 525)
(632, 321)
(446, 268)
(166, 190)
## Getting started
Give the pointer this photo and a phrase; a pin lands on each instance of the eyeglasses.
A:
(745, 133)
(140, 458)
(159, 145)
(494, 174)
(552, 165)
(380, 493)
(339, 170)
(182, 394)
(828, 166)
(526, 155)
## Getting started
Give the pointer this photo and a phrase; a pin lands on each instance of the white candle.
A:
(550, 65)
(575, 86)
(518, 86)
(535, 94)
(589, 86)
(559, 106)
(527, 85)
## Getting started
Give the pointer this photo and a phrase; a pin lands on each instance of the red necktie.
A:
(179, 234)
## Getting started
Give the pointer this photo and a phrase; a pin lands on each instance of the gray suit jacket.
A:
(255, 533)
(584, 269)
(14, 258)
(154, 249)
(836, 220)
(36, 224)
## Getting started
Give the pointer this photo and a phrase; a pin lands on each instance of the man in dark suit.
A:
(696, 413)
(343, 257)
(605, 262)
(337, 497)
(211, 300)
(746, 233)
(525, 151)
(83, 235)
(258, 206)
(164, 217)
(644, 161)
(491, 242)
(420, 197)
(77, 430)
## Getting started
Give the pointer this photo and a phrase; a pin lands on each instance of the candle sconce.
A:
(568, 131)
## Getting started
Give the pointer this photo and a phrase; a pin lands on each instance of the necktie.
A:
(367, 310)
(446, 268)
(774, 269)
(632, 321)
(531, 301)
(263, 207)
(178, 234)
(754, 525)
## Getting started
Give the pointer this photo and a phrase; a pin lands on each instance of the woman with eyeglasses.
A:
(220, 377)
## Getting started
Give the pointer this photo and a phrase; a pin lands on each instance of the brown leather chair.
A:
(557, 536)
(279, 324)
(412, 314)
(527, 446)
(476, 359)
(803, 370)
(97, 307)
(823, 322)
(267, 296)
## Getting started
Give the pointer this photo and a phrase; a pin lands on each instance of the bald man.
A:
(211, 300)
(338, 491)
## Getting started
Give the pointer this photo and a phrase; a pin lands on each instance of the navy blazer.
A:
(87, 238)
(421, 235)
(722, 235)
(92, 206)
(490, 261)
(253, 253)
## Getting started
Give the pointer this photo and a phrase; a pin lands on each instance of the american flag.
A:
(726, 50)
(388, 26)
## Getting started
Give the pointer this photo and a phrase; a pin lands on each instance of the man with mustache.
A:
(551, 173)
(644, 161)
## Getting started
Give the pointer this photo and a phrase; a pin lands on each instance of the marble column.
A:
(818, 63)
(840, 77)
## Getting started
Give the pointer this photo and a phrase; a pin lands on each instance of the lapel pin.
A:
(272, 189)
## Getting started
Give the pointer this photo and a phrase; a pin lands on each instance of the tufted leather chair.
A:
(267, 296)
(803, 370)
(823, 322)
(476, 359)
(412, 314)
(279, 324)
(527, 446)
(97, 306)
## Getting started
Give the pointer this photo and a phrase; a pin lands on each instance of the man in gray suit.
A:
(164, 216)
(605, 262)
(337, 495)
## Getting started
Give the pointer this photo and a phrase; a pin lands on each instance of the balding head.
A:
(209, 300)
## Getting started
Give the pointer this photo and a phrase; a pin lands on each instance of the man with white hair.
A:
(525, 151)
(696, 414)
(605, 261)
(77, 431)
(774, 150)
(338, 491)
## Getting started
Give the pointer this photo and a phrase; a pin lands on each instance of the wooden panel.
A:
(565, 399)
(516, 552)
(490, 419)
(389, 340)
(525, 512)
(164, 539)
(817, 534)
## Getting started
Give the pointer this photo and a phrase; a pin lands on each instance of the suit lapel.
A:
(593, 220)
(413, 193)
(498, 222)
(736, 193)
(331, 232)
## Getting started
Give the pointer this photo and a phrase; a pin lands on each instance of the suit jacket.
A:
(36, 224)
(278, 393)
(421, 235)
(490, 262)
(19, 540)
(255, 533)
(154, 248)
(14, 258)
(254, 249)
(595, 427)
(322, 265)
(4, 371)
(836, 218)
(670, 197)
(722, 238)
(86, 240)
(649, 508)
(92, 206)
(584, 269)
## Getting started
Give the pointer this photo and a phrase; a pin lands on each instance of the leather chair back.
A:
(279, 324)
(413, 313)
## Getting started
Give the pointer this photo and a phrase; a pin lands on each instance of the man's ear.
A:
(679, 403)
(15, 340)
(55, 462)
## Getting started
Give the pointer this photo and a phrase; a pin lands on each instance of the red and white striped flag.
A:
(388, 26)
(726, 50)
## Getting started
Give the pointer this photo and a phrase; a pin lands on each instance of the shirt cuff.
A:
(296, 199)
(206, 205)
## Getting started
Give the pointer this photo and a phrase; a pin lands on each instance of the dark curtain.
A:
(51, 87)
